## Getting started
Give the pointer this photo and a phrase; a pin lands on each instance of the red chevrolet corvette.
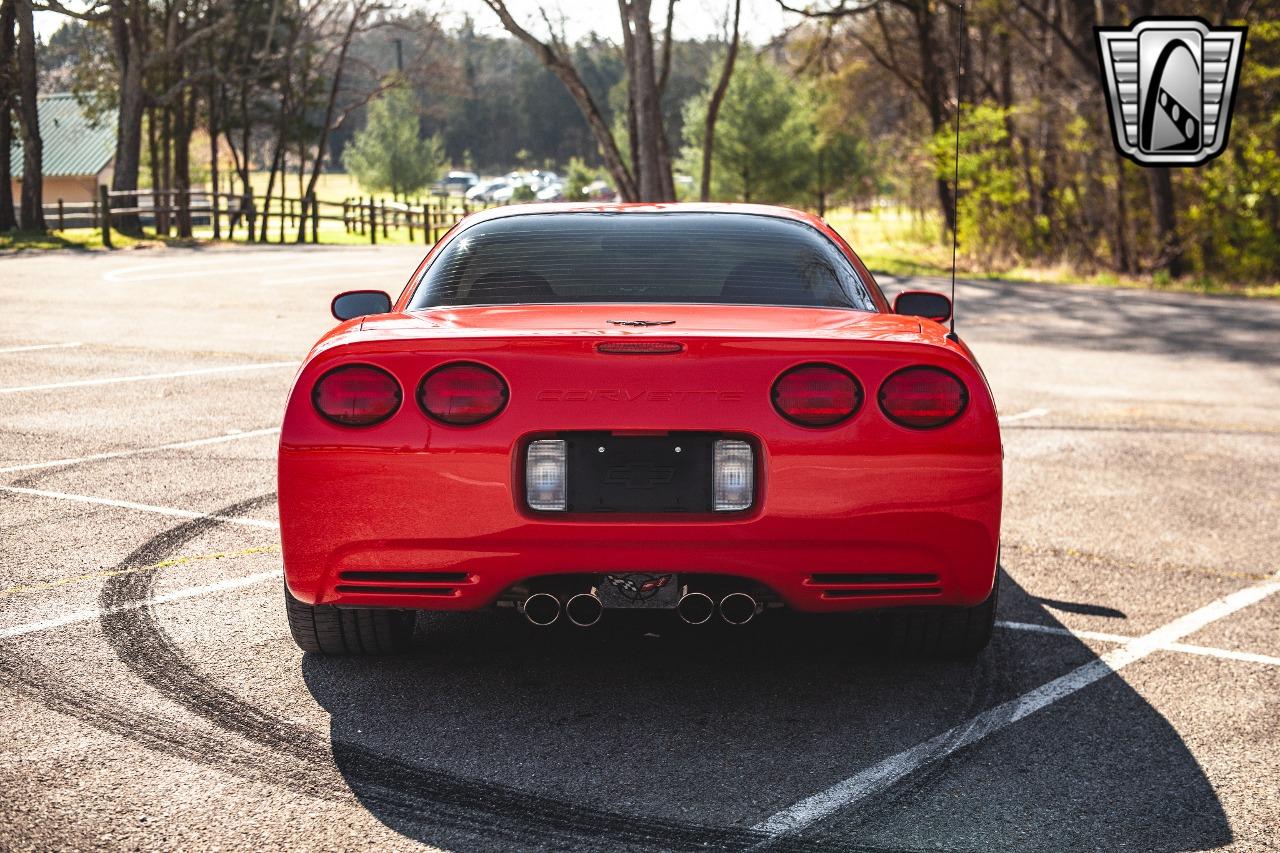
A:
(705, 409)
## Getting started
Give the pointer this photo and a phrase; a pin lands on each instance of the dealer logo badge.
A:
(1170, 83)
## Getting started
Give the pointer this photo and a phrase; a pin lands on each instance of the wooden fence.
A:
(260, 219)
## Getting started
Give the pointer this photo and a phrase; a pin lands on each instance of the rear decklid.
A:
(716, 374)
(649, 320)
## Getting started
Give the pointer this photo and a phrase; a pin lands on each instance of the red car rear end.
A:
(547, 454)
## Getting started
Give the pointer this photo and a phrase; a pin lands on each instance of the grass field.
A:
(900, 244)
(332, 186)
(889, 240)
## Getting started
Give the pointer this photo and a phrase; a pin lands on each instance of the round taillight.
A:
(923, 397)
(816, 395)
(356, 395)
(462, 394)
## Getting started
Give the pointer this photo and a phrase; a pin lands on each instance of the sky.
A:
(761, 19)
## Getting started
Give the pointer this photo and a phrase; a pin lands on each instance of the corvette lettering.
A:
(628, 395)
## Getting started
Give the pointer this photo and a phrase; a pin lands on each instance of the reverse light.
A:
(734, 475)
(462, 394)
(816, 395)
(546, 484)
(923, 397)
(356, 395)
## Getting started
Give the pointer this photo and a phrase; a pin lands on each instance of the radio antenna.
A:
(955, 186)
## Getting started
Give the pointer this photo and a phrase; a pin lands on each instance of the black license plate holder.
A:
(669, 473)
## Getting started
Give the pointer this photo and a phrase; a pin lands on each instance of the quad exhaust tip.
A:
(738, 608)
(541, 609)
(696, 608)
(584, 609)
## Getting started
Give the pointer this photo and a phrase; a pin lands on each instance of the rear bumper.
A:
(445, 532)
(864, 497)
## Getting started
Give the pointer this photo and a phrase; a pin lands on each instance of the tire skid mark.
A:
(155, 732)
(300, 760)
(992, 678)
(398, 789)
(152, 730)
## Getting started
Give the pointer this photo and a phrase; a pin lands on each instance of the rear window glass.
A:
(717, 258)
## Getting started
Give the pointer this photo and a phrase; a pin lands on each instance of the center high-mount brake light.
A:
(640, 347)
(356, 395)
(816, 395)
(923, 397)
(462, 394)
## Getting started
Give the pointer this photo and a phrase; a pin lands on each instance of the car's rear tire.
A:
(953, 633)
(333, 630)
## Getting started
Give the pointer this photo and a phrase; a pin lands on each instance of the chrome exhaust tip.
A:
(738, 608)
(584, 609)
(696, 608)
(541, 609)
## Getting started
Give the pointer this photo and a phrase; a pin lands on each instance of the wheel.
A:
(333, 630)
(952, 633)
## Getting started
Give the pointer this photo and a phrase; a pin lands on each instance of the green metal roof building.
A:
(79, 152)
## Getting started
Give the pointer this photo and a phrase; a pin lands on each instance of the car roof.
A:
(775, 211)
(558, 207)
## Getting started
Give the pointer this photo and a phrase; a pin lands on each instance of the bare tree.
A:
(135, 30)
(648, 178)
(717, 98)
(31, 211)
(363, 16)
(646, 108)
(902, 37)
(8, 86)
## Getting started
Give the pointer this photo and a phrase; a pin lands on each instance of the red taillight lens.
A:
(462, 394)
(356, 395)
(923, 397)
(816, 395)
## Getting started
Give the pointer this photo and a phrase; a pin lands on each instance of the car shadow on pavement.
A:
(647, 734)
(1113, 320)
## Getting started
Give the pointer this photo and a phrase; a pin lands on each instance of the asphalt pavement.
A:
(152, 699)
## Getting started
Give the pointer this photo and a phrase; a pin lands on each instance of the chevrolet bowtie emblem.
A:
(1170, 84)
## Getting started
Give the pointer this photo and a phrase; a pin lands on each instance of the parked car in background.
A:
(457, 182)
(598, 191)
(551, 192)
(543, 179)
(483, 191)
(503, 194)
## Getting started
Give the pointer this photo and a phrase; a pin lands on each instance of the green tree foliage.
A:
(763, 136)
(1229, 209)
(1232, 205)
(778, 139)
(990, 185)
(578, 175)
(390, 155)
(839, 163)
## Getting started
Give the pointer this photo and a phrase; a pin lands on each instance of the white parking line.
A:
(890, 770)
(177, 374)
(1187, 648)
(93, 615)
(33, 347)
(364, 273)
(264, 264)
(116, 454)
(159, 510)
(1024, 416)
